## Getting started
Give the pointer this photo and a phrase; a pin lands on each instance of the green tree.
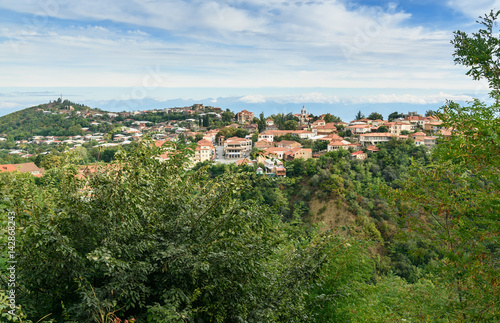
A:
(359, 116)
(262, 122)
(206, 120)
(480, 52)
(394, 115)
(382, 128)
(375, 116)
(290, 125)
(430, 113)
(242, 133)
(137, 238)
(454, 201)
(331, 118)
(227, 116)
(50, 161)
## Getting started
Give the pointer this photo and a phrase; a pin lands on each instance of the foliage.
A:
(359, 116)
(375, 116)
(394, 115)
(382, 128)
(331, 118)
(430, 113)
(454, 202)
(34, 121)
(480, 52)
(139, 238)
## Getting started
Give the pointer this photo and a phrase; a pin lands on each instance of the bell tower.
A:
(303, 115)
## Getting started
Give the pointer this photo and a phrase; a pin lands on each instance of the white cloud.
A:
(253, 99)
(224, 43)
(476, 8)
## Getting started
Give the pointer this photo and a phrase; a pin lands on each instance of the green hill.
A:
(56, 118)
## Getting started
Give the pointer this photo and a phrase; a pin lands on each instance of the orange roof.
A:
(378, 134)
(373, 148)
(8, 168)
(337, 143)
(204, 142)
(237, 139)
(243, 161)
(159, 143)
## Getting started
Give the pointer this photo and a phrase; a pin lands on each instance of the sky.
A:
(334, 56)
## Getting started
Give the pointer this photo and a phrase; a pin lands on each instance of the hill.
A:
(58, 118)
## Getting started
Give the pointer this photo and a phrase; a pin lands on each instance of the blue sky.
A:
(258, 54)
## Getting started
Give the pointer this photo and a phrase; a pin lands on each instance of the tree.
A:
(394, 115)
(359, 116)
(481, 52)
(262, 122)
(242, 133)
(430, 113)
(375, 116)
(382, 128)
(206, 121)
(454, 201)
(51, 161)
(227, 115)
(290, 125)
(319, 145)
(138, 238)
(331, 118)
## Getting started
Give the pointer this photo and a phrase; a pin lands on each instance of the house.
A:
(376, 137)
(252, 128)
(326, 129)
(23, 168)
(418, 136)
(317, 123)
(287, 144)
(303, 134)
(372, 149)
(359, 128)
(429, 141)
(358, 155)
(397, 127)
(378, 122)
(244, 116)
(8, 168)
(263, 144)
(416, 121)
(330, 137)
(434, 126)
(204, 151)
(273, 167)
(245, 161)
(270, 134)
(298, 152)
(236, 147)
(337, 144)
(278, 152)
(280, 171)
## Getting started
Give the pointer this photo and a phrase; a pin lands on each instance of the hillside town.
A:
(264, 143)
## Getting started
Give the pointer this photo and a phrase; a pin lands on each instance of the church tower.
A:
(303, 115)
